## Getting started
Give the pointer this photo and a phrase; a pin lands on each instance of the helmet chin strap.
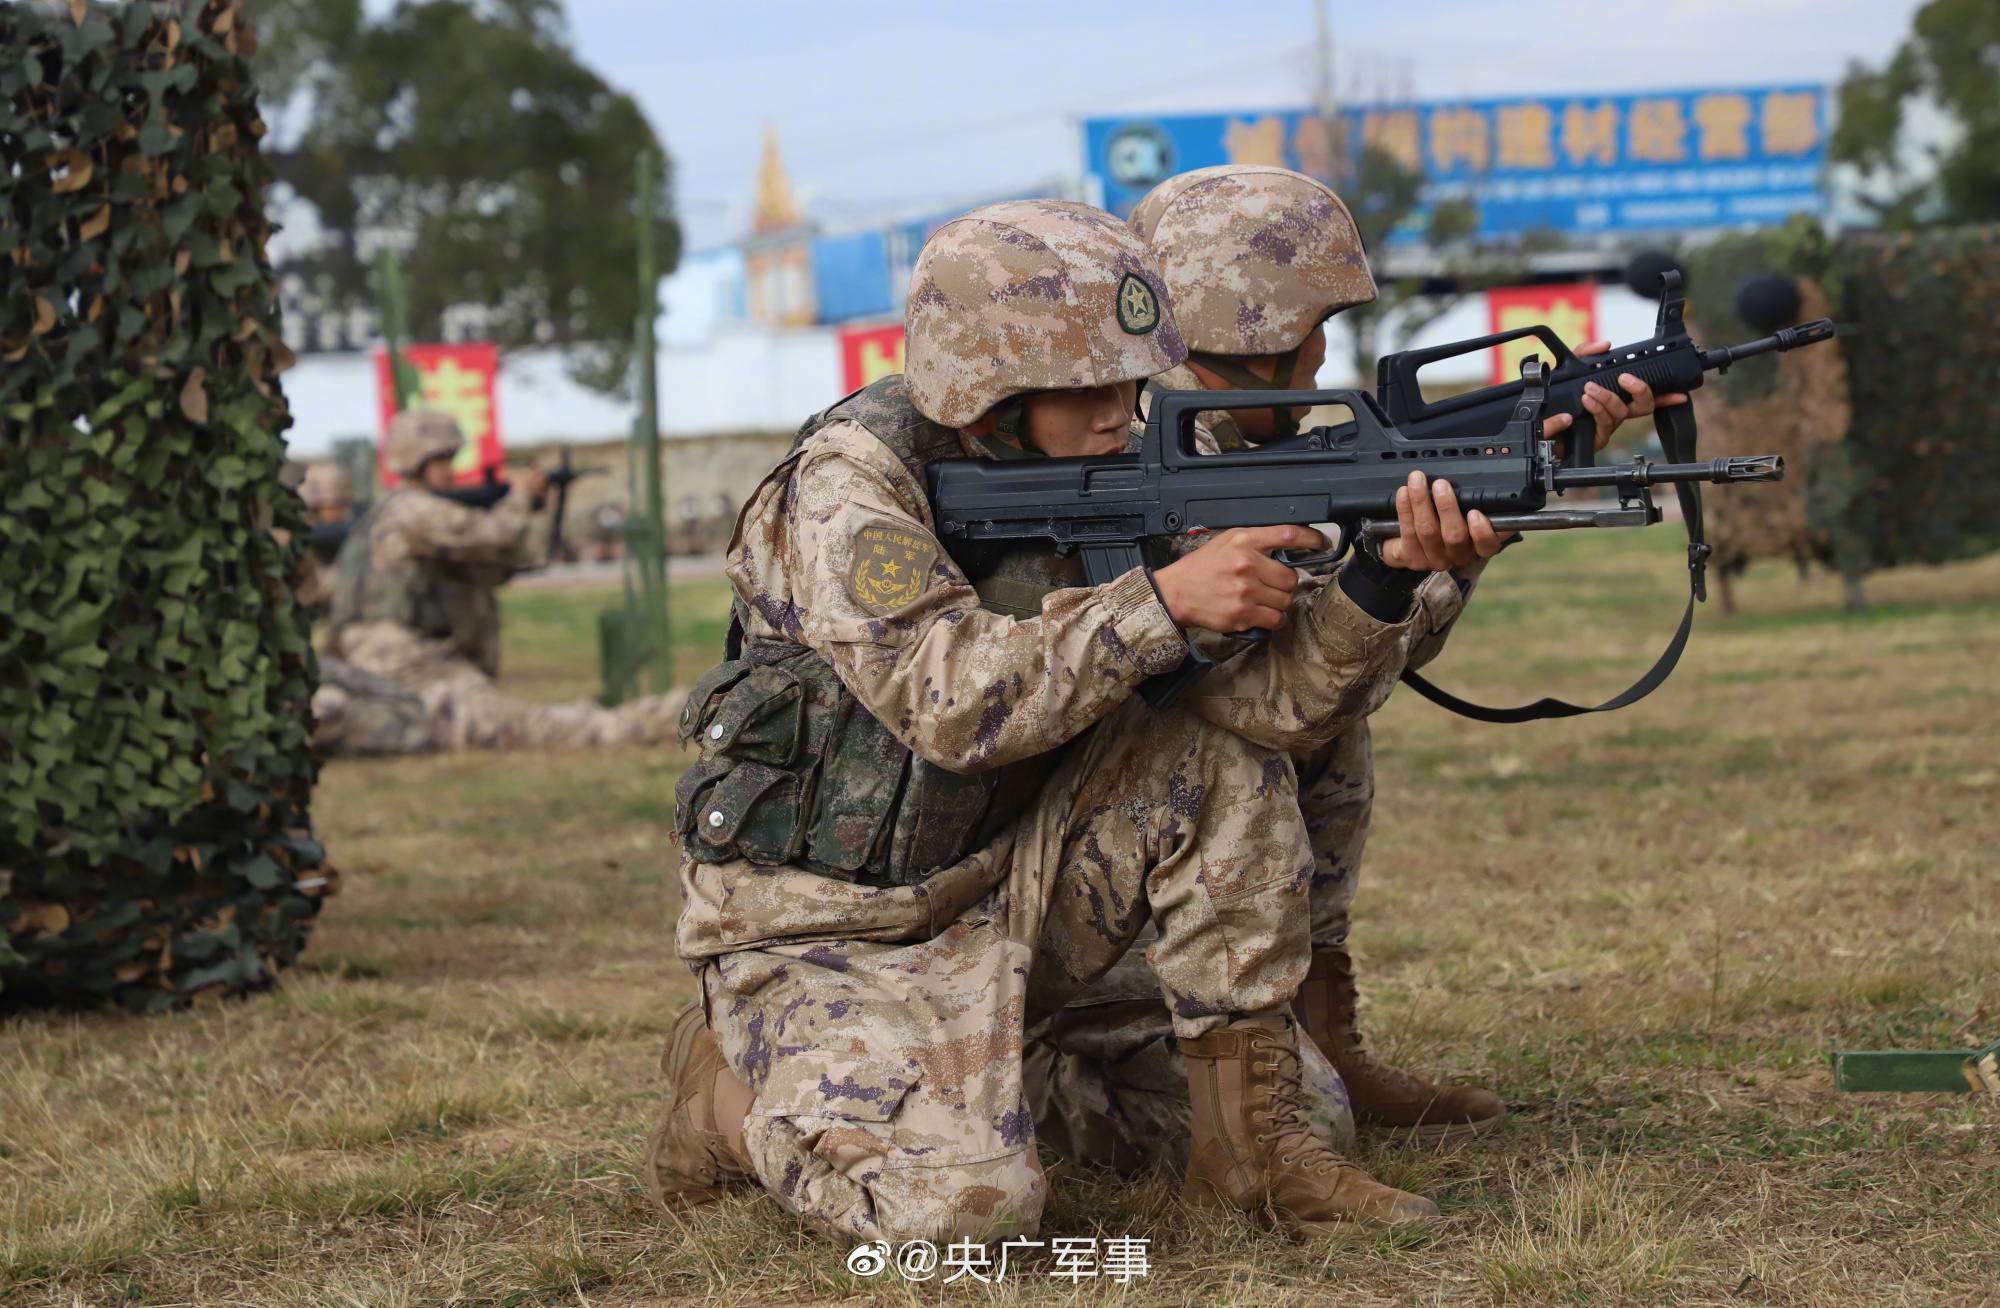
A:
(1231, 368)
(1010, 418)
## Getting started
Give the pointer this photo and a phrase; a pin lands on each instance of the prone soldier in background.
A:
(414, 612)
(929, 811)
(1257, 259)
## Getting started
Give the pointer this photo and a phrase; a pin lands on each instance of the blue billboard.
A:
(1571, 164)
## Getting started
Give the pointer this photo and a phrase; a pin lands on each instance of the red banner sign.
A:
(868, 354)
(1569, 311)
(458, 380)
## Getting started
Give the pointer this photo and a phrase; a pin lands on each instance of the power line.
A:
(1075, 108)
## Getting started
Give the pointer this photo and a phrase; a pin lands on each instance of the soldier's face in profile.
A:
(1094, 421)
(1257, 424)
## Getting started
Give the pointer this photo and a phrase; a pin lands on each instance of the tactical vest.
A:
(794, 770)
(420, 598)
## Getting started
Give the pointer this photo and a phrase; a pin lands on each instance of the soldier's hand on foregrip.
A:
(1232, 582)
(533, 483)
(1607, 406)
(1436, 536)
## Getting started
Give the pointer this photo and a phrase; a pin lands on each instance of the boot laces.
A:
(1287, 1114)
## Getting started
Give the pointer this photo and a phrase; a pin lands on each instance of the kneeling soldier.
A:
(415, 612)
(929, 810)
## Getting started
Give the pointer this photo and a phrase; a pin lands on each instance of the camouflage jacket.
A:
(835, 556)
(432, 565)
(1215, 430)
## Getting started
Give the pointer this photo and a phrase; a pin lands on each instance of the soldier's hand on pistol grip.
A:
(1232, 583)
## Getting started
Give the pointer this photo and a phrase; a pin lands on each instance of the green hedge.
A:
(1717, 270)
(1915, 478)
(155, 674)
(1924, 371)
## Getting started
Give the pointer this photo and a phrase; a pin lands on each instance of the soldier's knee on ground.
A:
(833, 1174)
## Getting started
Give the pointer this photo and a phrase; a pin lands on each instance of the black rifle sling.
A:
(1677, 440)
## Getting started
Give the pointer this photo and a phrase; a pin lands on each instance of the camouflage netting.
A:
(154, 670)
(1925, 441)
(1893, 444)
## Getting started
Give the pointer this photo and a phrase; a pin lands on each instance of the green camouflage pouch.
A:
(746, 797)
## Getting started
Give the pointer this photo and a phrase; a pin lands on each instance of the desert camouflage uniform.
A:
(414, 604)
(358, 713)
(1105, 1077)
(1257, 258)
(878, 1017)
(881, 1026)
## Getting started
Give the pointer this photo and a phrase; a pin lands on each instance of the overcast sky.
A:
(888, 106)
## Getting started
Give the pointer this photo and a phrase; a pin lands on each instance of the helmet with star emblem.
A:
(416, 437)
(1256, 257)
(1033, 295)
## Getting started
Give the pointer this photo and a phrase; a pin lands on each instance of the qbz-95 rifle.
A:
(1669, 361)
(1107, 507)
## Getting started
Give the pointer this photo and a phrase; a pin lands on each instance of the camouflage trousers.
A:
(881, 1029)
(463, 708)
(1105, 1078)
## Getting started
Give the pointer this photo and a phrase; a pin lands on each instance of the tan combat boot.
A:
(1255, 1152)
(1381, 1095)
(691, 1157)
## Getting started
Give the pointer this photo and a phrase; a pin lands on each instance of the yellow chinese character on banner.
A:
(880, 359)
(1568, 319)
(1458, 136)
(1261, 142)
(1724, 121)
(1791, 122)
(1659, 132)
(1395, 134)
(1527, 136)
(1590, 134)
(1313, 145)
(459, 391)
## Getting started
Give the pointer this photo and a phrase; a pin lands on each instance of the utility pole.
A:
(406, 390)
(1328, 98)
(657, 607)
(636, 642)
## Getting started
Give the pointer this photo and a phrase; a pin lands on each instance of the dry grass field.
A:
(1647, 929)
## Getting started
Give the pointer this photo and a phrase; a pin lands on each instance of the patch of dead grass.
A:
(1645, 929)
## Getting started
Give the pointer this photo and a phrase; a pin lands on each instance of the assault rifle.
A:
(1489, 445)
(1669, 361)
(328, 537)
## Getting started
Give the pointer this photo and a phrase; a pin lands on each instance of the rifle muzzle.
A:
(1747, 467)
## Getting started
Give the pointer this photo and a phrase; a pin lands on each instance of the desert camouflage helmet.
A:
(325, 485)
(1254, 256)
(416, 437)
(1033, 295)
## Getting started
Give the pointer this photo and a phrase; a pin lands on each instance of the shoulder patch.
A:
(1138, 307)
(892, 565)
